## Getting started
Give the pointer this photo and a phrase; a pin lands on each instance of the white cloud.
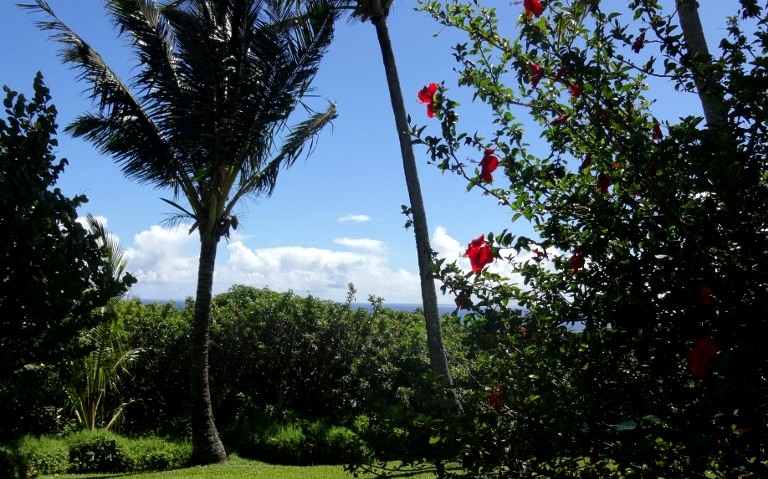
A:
(164, 261)
(445, 245)
(321, 272)
(354, 218)
(366, 244)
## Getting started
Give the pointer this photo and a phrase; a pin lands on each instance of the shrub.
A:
(160, 384)
(344, 445)
(297, 442)
(286, 444)
(98, 451)
(156, 454)
(43, 455)
(8, 463)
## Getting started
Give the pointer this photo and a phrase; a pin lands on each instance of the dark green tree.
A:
(215, 83)
(53, 271)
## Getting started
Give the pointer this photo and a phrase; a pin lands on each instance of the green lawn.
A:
(237, 468)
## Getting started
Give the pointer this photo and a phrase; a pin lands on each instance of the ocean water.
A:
(442, 309)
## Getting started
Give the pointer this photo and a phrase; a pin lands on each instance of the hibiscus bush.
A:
(618, 324)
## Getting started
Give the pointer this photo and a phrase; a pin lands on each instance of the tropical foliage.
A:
(215, 84)
(617, 331)
(629, 345)
(53, 272)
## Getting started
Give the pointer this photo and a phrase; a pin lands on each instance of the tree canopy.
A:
(631, 344)
(53, 271)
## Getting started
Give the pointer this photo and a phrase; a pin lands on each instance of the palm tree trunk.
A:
(726, 172)
(711, 100)
(206, 444)
(437, 354)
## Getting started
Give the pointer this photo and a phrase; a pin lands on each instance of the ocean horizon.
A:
(410, 307)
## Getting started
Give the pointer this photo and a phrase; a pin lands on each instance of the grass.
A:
(237, 468)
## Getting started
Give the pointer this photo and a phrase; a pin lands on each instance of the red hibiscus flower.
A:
(539, 253)
(427, 96)
(603, 182)
(656, 133)
(561, 73)
(488, 165)
(586, 162)
(494, 400)
(537, 73)
(533, 7)
(576, 262)
(479, 254)
(559, 120)
(639, 43)
(462, 302)
(701, 354)
(575, 90)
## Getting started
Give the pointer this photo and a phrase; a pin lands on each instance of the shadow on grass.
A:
(396, 471)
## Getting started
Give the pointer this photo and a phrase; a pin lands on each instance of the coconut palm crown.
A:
(214, 86)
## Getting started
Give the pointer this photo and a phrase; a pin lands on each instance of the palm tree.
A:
(711, 99)
(216, 82)
(376, 12)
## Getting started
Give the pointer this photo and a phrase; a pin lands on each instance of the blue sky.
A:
(334, 218)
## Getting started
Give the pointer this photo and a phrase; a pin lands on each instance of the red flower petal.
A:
(561, 73)
(479, 254)
(533, 7)
(575, 90)
(559, 120)
(537, 73)
(576, 262)
(426, 96)
(587, 161)
(603, 182)
(462, 302)
(427, 93)
(704, 350)
(639, 43)
(494, 400)
(656, 133)
(488, 165)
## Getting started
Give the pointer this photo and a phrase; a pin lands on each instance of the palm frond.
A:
(302, 136)
(120, 112)
(115, 251)
(153, 41)
(217, 82)
(364, 10)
